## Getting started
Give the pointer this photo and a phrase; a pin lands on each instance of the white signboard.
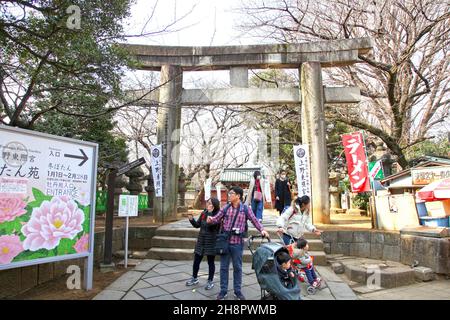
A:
(157, 169)
(208, 189)
(267, 192)
(424, 176)
(218, 191)
(302, 169)
(47, 198)
(128, 206)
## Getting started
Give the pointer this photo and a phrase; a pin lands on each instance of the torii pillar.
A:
(314, 134)
(168, 134)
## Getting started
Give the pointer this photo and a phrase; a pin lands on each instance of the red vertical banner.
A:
(356, 161)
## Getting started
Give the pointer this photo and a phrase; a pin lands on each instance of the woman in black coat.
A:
(282, 192)
(206, 242)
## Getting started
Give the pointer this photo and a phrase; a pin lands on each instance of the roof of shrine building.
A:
(329, 53)
(237, 174)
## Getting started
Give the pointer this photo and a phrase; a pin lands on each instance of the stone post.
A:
(313, 133)
(239, 77)
(168, 134)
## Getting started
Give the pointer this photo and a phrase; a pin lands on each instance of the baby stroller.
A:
(296, 265)
(266, 267)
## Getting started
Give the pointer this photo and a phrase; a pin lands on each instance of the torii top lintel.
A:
(329, 53)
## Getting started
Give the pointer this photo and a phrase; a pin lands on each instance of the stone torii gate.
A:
(309, 58)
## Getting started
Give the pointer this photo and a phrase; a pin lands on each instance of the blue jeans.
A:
(284, 209)
(310, 274)
(235, 254)
(257, 208)
(287, 239)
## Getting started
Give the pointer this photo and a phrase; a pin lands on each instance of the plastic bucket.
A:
(421, 209)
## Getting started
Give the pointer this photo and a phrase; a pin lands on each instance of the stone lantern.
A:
(134, 185)
(181, 188)
(120, 183)
(386, 159)
(150, 188)
(335, 194)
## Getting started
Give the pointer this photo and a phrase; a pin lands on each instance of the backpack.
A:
(245, 233)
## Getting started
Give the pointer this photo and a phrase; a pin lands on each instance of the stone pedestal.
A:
(335, 199)
(314, 134)
(168, 134)
(105, 268)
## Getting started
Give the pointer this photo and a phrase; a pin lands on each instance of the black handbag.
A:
(223, 239)
(222, 243)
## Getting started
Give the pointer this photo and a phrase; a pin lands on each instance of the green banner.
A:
(379, 174)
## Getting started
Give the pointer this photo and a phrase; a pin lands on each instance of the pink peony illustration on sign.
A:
(11, 208)
(10, 247)
(84, 197)
(82, 244)
(52, 221)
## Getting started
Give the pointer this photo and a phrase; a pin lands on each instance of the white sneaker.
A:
(192, 281)
(209, 285)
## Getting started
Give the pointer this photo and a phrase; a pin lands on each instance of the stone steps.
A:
(189, 243)
(186, 254)
(347, 221)
(176, 241)
(192, 233)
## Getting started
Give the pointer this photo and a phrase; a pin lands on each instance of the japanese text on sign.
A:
(47, 193)
(425, 176)
(157, 169)
(128, 206)
(302, 169)
(356, 162)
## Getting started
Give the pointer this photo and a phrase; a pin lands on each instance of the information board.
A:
(47, 198)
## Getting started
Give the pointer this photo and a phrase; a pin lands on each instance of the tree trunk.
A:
(198, 199)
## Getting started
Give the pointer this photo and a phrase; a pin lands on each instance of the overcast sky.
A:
(205, 22)
(198, 23)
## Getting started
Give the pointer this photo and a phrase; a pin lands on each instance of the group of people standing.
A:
(294, 220)
(256, 196)
(232, 218)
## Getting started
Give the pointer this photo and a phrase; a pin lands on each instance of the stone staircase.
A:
(350, 219)
(176, 241)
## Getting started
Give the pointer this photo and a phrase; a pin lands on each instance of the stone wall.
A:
(15, 281)
(383, 245)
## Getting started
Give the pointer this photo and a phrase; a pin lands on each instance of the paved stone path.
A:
(433, 290)
(165, 280)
